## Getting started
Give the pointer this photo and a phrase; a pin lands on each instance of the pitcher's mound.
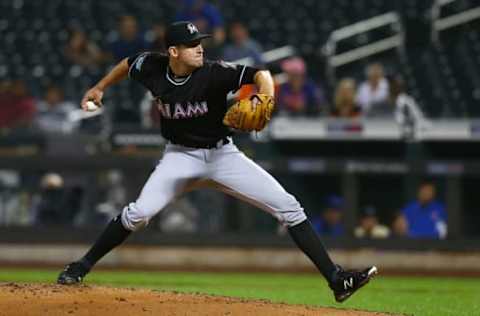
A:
(48, 299)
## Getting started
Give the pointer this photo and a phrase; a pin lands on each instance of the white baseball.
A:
(91, 106)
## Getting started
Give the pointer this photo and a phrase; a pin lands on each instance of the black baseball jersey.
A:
(192, 108)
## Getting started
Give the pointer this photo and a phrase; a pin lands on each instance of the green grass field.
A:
(399, 295)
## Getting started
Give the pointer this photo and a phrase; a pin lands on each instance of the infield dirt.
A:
(52, 300)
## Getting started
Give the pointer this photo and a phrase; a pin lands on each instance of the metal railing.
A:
(269, 56)
(335, 60)
(440, 24)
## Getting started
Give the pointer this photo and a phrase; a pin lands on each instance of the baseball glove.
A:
(250, 114)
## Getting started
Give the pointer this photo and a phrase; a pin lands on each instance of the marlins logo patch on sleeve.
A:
(139, 62)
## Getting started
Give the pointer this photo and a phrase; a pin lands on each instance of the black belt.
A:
(219, 143)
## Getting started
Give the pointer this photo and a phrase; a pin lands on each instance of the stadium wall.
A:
(240, 258)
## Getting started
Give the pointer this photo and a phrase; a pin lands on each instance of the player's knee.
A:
(291, 212)
(133, 218)
(292, 217)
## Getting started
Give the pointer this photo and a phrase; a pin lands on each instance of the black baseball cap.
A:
(182, 32)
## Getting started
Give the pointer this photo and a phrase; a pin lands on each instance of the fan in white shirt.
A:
(374, 90)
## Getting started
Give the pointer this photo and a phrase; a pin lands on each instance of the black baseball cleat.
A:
(73, 273)
(348, 282)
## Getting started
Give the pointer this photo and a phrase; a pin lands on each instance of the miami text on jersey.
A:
(182, 110)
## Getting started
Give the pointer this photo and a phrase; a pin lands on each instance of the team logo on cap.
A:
(192, 28)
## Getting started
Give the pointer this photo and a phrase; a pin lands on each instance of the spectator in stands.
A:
(55, 204)
(49, 206)
(208, 19)
(130, 40)
(329, 223)
(158, 37)
(426, 217)
(213, 47)
(53, 115)
(242, 46)
(344, 100)
(399, 226)
(299, 95)
(369, 226)
(17, 106)
(205, 16)
(374, 90)
(81, 51)
(387, 110)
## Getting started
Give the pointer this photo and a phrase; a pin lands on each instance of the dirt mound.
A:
(47, 299)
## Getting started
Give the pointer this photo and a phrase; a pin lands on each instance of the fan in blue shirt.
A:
(329, 223)
(426, 217)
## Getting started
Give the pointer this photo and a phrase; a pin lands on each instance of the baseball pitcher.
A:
(191, 96)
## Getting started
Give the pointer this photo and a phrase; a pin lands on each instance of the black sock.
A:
(309, 242)
(111, 237)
